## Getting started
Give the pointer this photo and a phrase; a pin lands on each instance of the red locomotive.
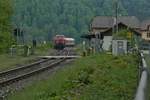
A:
(60, 42)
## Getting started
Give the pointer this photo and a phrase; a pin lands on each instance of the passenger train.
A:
(60, 42)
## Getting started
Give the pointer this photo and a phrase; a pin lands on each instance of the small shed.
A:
(119, 47)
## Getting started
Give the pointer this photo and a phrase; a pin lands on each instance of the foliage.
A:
(44, 49)
(45, 18)
(139, 8)
(5, 25)
(123, 33)
(127, 35)
(99, 77)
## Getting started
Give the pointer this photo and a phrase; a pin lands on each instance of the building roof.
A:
(102, 22)
(122, 24)
(144, 24)
(89, 36)
(108, 21)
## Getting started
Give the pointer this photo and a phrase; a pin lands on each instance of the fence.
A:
(143, 84)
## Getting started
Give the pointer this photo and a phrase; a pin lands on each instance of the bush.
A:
(5, 41)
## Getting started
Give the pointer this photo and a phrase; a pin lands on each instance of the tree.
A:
(5, 24)
(68, 17)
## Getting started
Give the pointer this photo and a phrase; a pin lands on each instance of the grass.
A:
(7, 61)
(43, 49)
(98, 77)
(147, 57)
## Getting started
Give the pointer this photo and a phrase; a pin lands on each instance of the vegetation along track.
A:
(13, 75)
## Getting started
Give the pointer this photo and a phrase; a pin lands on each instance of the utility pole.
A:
(116, 14)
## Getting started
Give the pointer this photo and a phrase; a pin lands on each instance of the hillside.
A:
(45, 18)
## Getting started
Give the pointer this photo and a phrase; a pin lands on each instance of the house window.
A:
(148, 32)
(148, 35)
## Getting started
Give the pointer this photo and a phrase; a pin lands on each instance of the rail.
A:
(23, 76)
(10, 76)
(22, 67)
(28, 65)
(141, 93)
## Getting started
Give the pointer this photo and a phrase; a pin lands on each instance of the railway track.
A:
(20, 73)
(10, 78)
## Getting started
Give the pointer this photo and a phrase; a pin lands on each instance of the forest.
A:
(45, 18)
(42, 19)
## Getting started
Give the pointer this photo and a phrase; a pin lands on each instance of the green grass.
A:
(43, 49)
(147, 57)
(7, 61)
(99, 77)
